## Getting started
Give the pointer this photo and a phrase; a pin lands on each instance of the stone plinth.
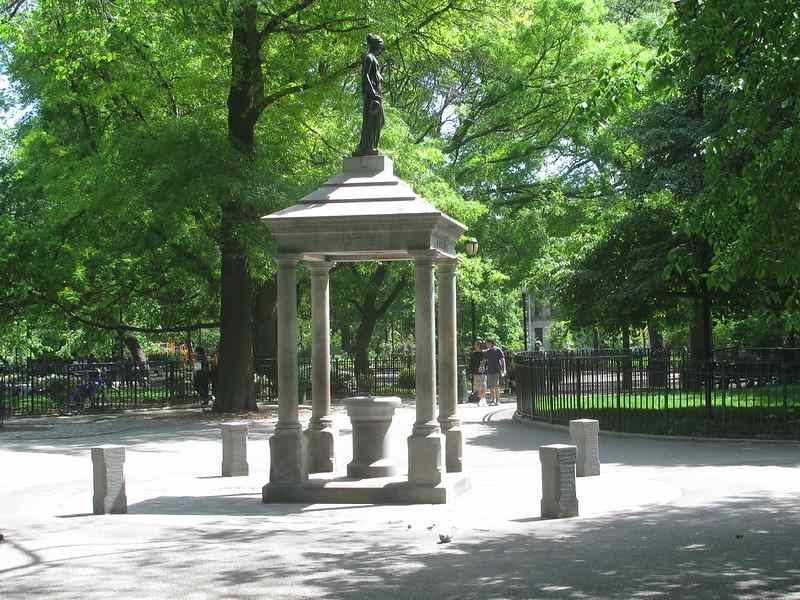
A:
(109, 480)
(371, 418)
(559, 498)
(584, 435)
(426, 455)
(327, 489)
(234, 449)
(287, 455)
(321, 442)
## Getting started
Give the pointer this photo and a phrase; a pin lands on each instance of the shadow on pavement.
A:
(506, 434)
(738, 549)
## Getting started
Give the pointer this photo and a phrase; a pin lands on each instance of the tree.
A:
(743, 53)
(201, 109)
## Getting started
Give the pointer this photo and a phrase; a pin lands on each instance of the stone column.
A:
(559, 498)
(108, 469)
(287, 445)
(321, 433)
(584, 435)
(426, 443)
(448, 365)
(234, 449)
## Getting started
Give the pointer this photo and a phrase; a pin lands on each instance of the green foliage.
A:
(613, 156)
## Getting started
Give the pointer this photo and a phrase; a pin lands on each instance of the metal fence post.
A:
(619, 395)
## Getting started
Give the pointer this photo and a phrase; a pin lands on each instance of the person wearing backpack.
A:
(495, 368)
(477, 368)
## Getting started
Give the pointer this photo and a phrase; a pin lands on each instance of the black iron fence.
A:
(384, 375)
(741, 392)
(40, 388)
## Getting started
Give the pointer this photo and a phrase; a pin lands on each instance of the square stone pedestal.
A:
(325, 489)
(559, 499)
(234, 449)
(584, 434)
(108, 468)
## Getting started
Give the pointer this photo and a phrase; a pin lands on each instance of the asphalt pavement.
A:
(665, 519)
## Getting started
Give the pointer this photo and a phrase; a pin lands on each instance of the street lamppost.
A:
(472, 250)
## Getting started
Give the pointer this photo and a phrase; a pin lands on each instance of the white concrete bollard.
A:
(234, 449)
(584, 435)
(109, 480)
(559, 499)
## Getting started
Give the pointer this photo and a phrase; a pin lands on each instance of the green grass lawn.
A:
(775, 396)
(766, 411)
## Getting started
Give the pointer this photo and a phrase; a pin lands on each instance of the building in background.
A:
(539, 317)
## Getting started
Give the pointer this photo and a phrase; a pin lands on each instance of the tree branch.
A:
(122, 327)
(399, 286)
(359, 24)
(271, 25)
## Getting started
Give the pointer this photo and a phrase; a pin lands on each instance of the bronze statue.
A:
(373, 117)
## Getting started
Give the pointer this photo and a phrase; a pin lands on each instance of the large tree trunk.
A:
(627, 366)
(265, 320)
(235, 378)
(137, 353)
(699, 344)
(347, 337)
(360, 351)
(654, 336)
(372, 309)
(657, 366)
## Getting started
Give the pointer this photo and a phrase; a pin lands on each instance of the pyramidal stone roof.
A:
(364, 213)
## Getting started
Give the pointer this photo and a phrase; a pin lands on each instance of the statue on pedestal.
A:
(373, 117)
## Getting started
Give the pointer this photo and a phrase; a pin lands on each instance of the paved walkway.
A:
(666, 519)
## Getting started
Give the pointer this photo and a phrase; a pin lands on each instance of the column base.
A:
(453, 445)
(385, 467)
(426, 454)
(321, 441)
(328, 489)
(287, 455)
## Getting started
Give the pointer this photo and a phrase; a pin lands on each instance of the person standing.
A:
(201, 375)
(495, 368)
(477, 369)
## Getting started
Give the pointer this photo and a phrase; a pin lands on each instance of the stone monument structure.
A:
(366, 213)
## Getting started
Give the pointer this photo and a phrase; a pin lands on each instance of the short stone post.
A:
(234, 449)
(559, 498)
(109, 480)
(584, 435)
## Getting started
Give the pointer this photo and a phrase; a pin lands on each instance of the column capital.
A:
(424, 257)
(319, 268)
(287, 260)
(446, 265)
